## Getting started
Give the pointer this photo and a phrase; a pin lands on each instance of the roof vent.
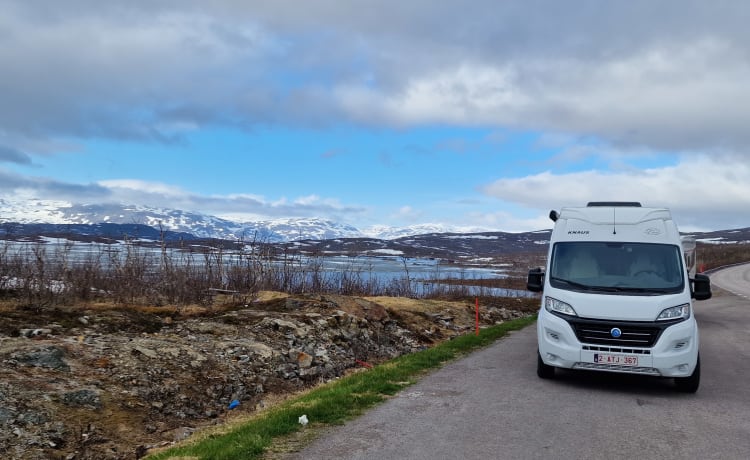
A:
(619, 204)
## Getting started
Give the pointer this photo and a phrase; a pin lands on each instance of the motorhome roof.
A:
(621, 215)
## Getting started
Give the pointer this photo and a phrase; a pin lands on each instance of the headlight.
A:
(678, 312)
(558, 306)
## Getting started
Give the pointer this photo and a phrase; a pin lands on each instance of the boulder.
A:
(49, 358)
(82, 398)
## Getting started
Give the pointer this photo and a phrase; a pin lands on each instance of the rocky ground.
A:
(106, 383)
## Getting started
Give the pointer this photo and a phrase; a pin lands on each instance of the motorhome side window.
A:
(644, 268)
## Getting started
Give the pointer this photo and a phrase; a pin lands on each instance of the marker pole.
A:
(476, 300)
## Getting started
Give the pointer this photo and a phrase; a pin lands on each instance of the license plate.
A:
(619, 360)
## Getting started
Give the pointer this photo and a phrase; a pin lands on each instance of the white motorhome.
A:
(617, 294)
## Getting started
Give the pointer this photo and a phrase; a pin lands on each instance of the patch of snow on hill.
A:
(383, 232)
(389, 252)
(472, 237)
(34, 211)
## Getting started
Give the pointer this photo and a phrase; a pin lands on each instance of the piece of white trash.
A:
(303, 420)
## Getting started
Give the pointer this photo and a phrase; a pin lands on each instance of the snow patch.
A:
(390, 252)
(472, 237)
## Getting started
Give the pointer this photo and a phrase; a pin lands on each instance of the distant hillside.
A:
(107, 223)
(741, 235)
(197, 224)
(104, 233)
(438, 245)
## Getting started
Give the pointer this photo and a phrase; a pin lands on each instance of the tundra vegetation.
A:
(712, 256)
(38, 275)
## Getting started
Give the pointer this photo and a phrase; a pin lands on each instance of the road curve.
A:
(492, 405)
(735, 279)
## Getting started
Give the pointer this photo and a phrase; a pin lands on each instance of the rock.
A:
(373, 311)
(294, 304)
(149, 353)
(48, 358)
(31, 418)
(197, 359)
(321, 355)
(182, 433)
(310, 372)
(285, 326)
(171, 351)
(261, 350)
(287, 371)
(6, 416)
(82, 398)
(304, 360)
(32, 333)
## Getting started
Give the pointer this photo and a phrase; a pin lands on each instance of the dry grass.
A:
(416, 305)
(717, 255)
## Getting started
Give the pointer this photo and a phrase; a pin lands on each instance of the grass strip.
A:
(334, 402)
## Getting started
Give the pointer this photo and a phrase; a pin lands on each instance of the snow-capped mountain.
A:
(200, 225)
(383, 232)
(62, 212)
(300, 229)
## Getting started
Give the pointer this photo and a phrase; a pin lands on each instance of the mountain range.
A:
(34, 218)
(46, 212)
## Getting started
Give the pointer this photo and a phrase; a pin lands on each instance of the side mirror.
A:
(701, 287)
(535, 282)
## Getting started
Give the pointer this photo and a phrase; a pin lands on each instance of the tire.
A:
(690, 384)
(544, 371)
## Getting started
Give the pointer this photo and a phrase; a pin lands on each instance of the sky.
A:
(468, 114)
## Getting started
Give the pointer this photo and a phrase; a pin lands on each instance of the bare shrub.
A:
(158, 273)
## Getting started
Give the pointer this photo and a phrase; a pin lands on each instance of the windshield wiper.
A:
(585, 287)
(635, 290)
(608, 288)
(654, 290)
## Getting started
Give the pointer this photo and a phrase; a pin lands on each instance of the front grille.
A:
(634, 334)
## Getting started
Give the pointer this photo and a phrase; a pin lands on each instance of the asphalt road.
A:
(491, 405)
(734, 279)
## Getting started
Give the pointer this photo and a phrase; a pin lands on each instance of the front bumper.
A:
(674, 354)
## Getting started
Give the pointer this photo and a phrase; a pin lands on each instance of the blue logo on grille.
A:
(615, 332)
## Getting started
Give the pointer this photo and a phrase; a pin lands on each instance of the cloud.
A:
(237, 206)
(508, 222)
(407, 214)
(44, 188)
(143, 187)
(132, 191)
(154, 71)
(11, 155)
(706, 192)
(689, 97)
(603, 80)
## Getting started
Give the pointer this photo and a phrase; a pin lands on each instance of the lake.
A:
(423, 274)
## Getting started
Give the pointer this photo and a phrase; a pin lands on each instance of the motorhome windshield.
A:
(627, 268)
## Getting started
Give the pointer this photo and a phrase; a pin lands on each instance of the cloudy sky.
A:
(481, 114)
